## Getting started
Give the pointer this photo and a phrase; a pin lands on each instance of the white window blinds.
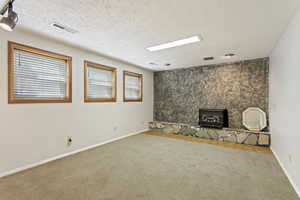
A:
(133, 87)
(100, 83)
(39, 77)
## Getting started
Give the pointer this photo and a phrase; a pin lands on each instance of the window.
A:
(133, 86)
(38, 76)
(99, 83)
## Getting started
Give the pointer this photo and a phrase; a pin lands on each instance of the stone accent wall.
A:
(238, 136)
(179, 93)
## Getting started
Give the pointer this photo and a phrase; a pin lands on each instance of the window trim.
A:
(128, 73)
(11, 97)
(103, 67)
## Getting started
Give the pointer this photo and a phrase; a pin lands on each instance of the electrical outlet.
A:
(69, 141)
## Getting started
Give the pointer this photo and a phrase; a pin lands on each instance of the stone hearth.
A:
(239, 136)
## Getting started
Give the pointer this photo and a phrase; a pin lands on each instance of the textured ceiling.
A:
(122, 29)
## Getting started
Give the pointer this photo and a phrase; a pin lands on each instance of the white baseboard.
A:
(19, 169)
(286, 173)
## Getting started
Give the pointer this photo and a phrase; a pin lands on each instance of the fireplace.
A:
(213, 118)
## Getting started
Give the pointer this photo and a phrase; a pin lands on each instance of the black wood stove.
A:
(213, 118)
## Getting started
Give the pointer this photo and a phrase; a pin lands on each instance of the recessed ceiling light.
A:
(228, 55)
(175, 43)
(208, 58)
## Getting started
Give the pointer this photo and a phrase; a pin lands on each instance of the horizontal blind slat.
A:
(39, 77)
(132, 87)
(100, 83)
(45, 77)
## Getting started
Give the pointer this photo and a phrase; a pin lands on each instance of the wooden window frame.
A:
(128, 73)
(11, 97)
(103, 67)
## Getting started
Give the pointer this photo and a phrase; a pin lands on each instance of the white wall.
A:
(285, 101)
(30, 133)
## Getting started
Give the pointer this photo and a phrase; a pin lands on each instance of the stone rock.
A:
(241, 137)
(152, 125)
(223, 133)
(264, 139)
(160, 125)
(187, 131)
(230, 138)
(168, 129)
(251, 139)
(202, 133)
(176, 128)
(213, 134)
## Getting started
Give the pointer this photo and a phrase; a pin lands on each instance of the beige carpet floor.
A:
(153, 168)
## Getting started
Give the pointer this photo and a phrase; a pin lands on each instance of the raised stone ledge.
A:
(239, 136)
